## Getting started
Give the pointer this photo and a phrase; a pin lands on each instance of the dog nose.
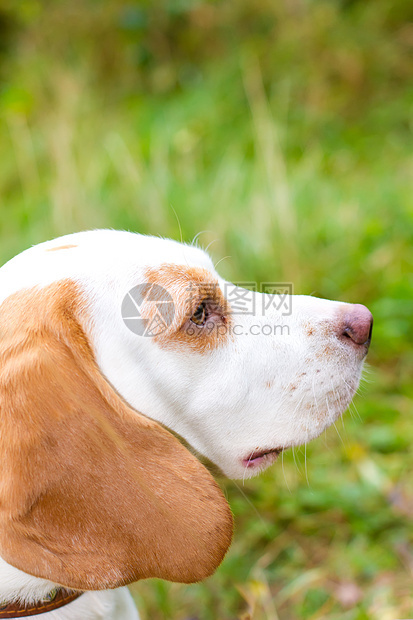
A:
(357, 324)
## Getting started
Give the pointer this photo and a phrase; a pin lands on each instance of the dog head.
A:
(107, 340)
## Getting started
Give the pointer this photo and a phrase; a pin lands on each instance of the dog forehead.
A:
(117, 257)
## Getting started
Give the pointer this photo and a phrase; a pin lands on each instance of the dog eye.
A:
(200, 315)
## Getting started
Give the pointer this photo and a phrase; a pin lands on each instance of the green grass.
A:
(298, 168)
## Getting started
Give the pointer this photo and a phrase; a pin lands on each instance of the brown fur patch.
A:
(327, 350)
(61, 247)
(188, 287)
(92, 494)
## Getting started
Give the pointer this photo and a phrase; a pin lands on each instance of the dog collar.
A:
(55, 599)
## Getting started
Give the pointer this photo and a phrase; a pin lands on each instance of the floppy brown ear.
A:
(92, 494)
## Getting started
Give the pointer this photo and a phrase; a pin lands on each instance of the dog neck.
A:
(18, 586)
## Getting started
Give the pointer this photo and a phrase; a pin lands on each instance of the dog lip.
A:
(257, 456)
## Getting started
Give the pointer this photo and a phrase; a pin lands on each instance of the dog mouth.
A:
(261, 457)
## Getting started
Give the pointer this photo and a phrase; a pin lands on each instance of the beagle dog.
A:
(118, 352)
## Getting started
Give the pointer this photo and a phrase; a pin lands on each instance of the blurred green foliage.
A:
(283, 131)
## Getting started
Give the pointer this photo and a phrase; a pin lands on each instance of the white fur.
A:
(105, 605)
(258, 391)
